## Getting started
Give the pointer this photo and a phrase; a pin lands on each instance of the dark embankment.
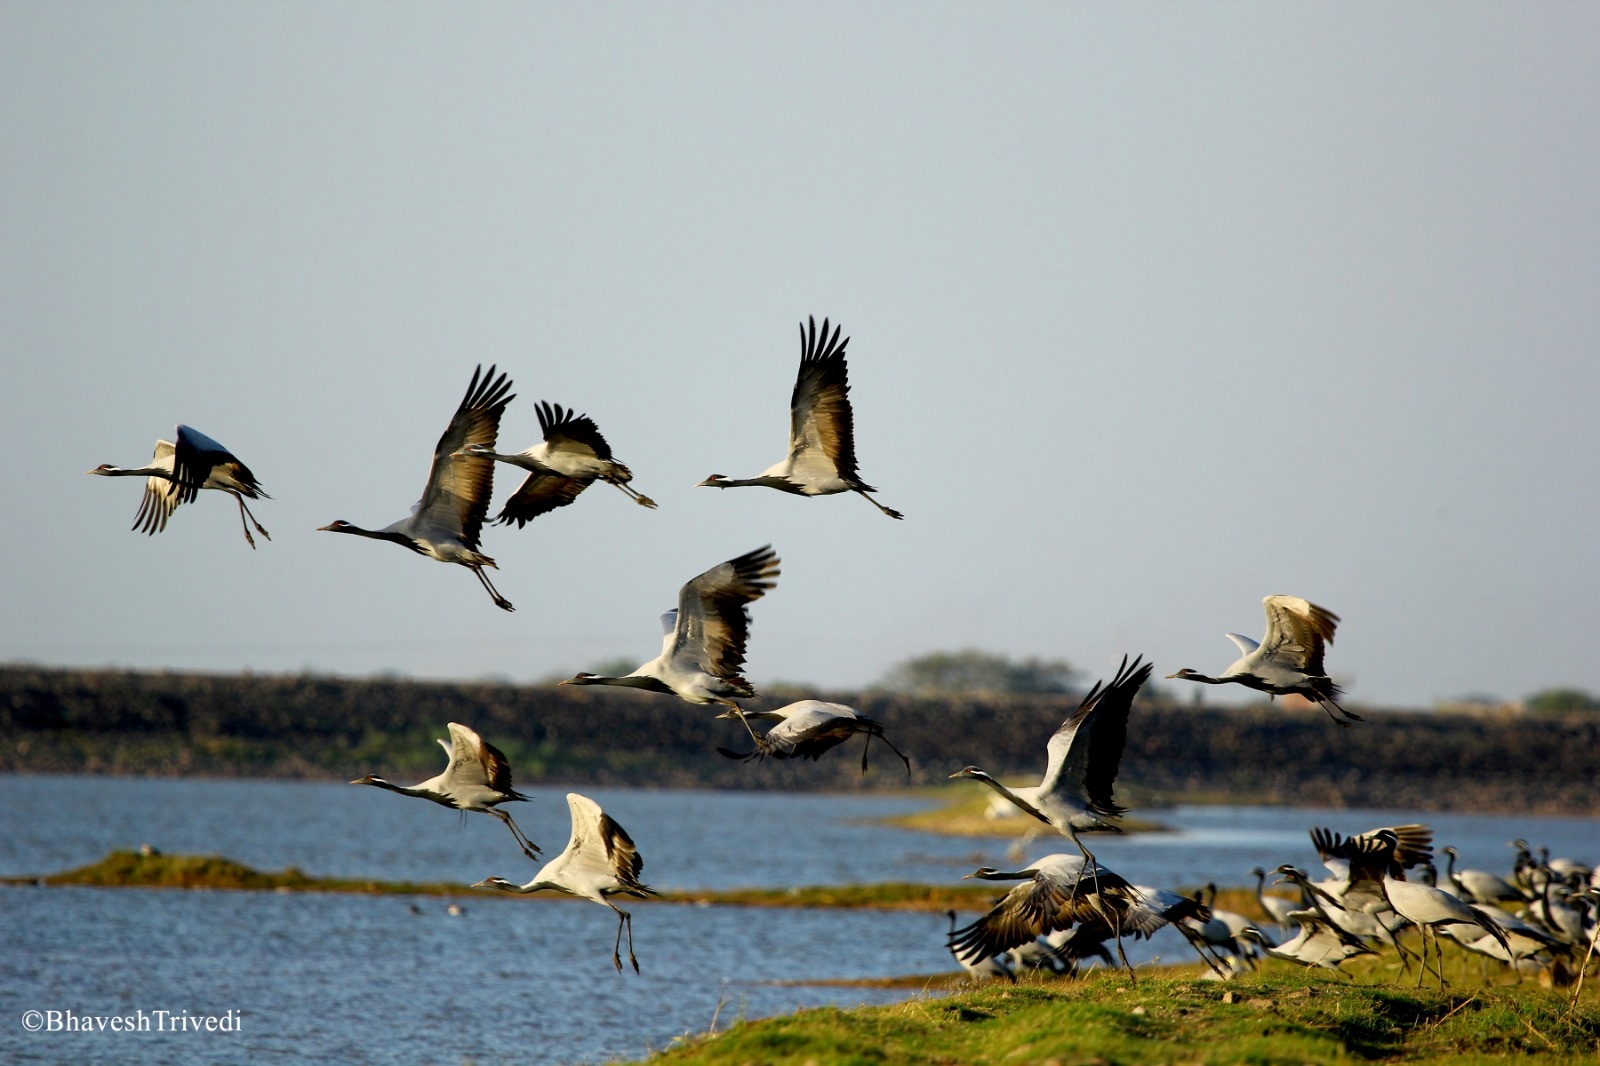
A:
(295, 726)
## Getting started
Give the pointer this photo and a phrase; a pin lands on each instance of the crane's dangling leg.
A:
(894, 749)
(499, 600)
(529, 848)
(248, 539)
(623, 918)
(891, 512)
(1349, 716)
(637, 497)
(631, 959)
(244, 510)
(757, 741)
(1094, 874)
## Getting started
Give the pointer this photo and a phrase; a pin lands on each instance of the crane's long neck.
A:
(1021, 803)
(1003, 875)
(373, 534)
(404, 790)
(763, 480)
(142, 471)
(627, 681)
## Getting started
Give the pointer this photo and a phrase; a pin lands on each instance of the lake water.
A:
(363, 979)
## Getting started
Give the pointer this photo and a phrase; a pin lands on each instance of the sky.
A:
(1155, 310)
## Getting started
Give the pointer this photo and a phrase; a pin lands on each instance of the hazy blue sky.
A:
(1155, 309)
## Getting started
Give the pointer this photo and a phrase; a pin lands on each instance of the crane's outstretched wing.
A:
(1023, 915)
(539, 494)
(1085, 753)
(820, 419)
(474, 760)
(1296, 630)
(192, 460)
(600, 848)
(456, 497)
(1246, 644)
(161, 495)
(713, 623)
(1411, 845)
(810, 732)
(566, 430)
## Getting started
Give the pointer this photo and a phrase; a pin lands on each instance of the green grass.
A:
(133, 870)
(1285, 1016)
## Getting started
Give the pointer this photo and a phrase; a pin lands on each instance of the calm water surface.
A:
(365, 980)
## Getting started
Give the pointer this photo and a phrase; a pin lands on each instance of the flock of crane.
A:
(1543, 917)
(1066, 901)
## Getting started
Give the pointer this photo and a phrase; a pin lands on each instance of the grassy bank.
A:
(131, 869)
(964, 813)
(1281, 1016)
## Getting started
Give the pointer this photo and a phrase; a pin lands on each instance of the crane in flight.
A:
(446, 522)
(807, 729)
(476, 778)
(702, 649)
(176, 473)
(1082, 757)
(571, 457)
(600, 861)
(822, 448)
(1055, 894)
(1288, 659)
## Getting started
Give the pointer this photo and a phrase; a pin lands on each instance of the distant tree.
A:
(1560, 701)
(974, 671)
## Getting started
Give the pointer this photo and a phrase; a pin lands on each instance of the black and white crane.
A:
(477, 778)
(807, 729)
(1374, 885)
(1480, 886)
(571, 457)
(1076, 794)
(600, 861)
(1288, 659)
(1057, 892)
(1317, 943)
(822, 449)
(446, 522)
(705, 635)
(176, 473)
